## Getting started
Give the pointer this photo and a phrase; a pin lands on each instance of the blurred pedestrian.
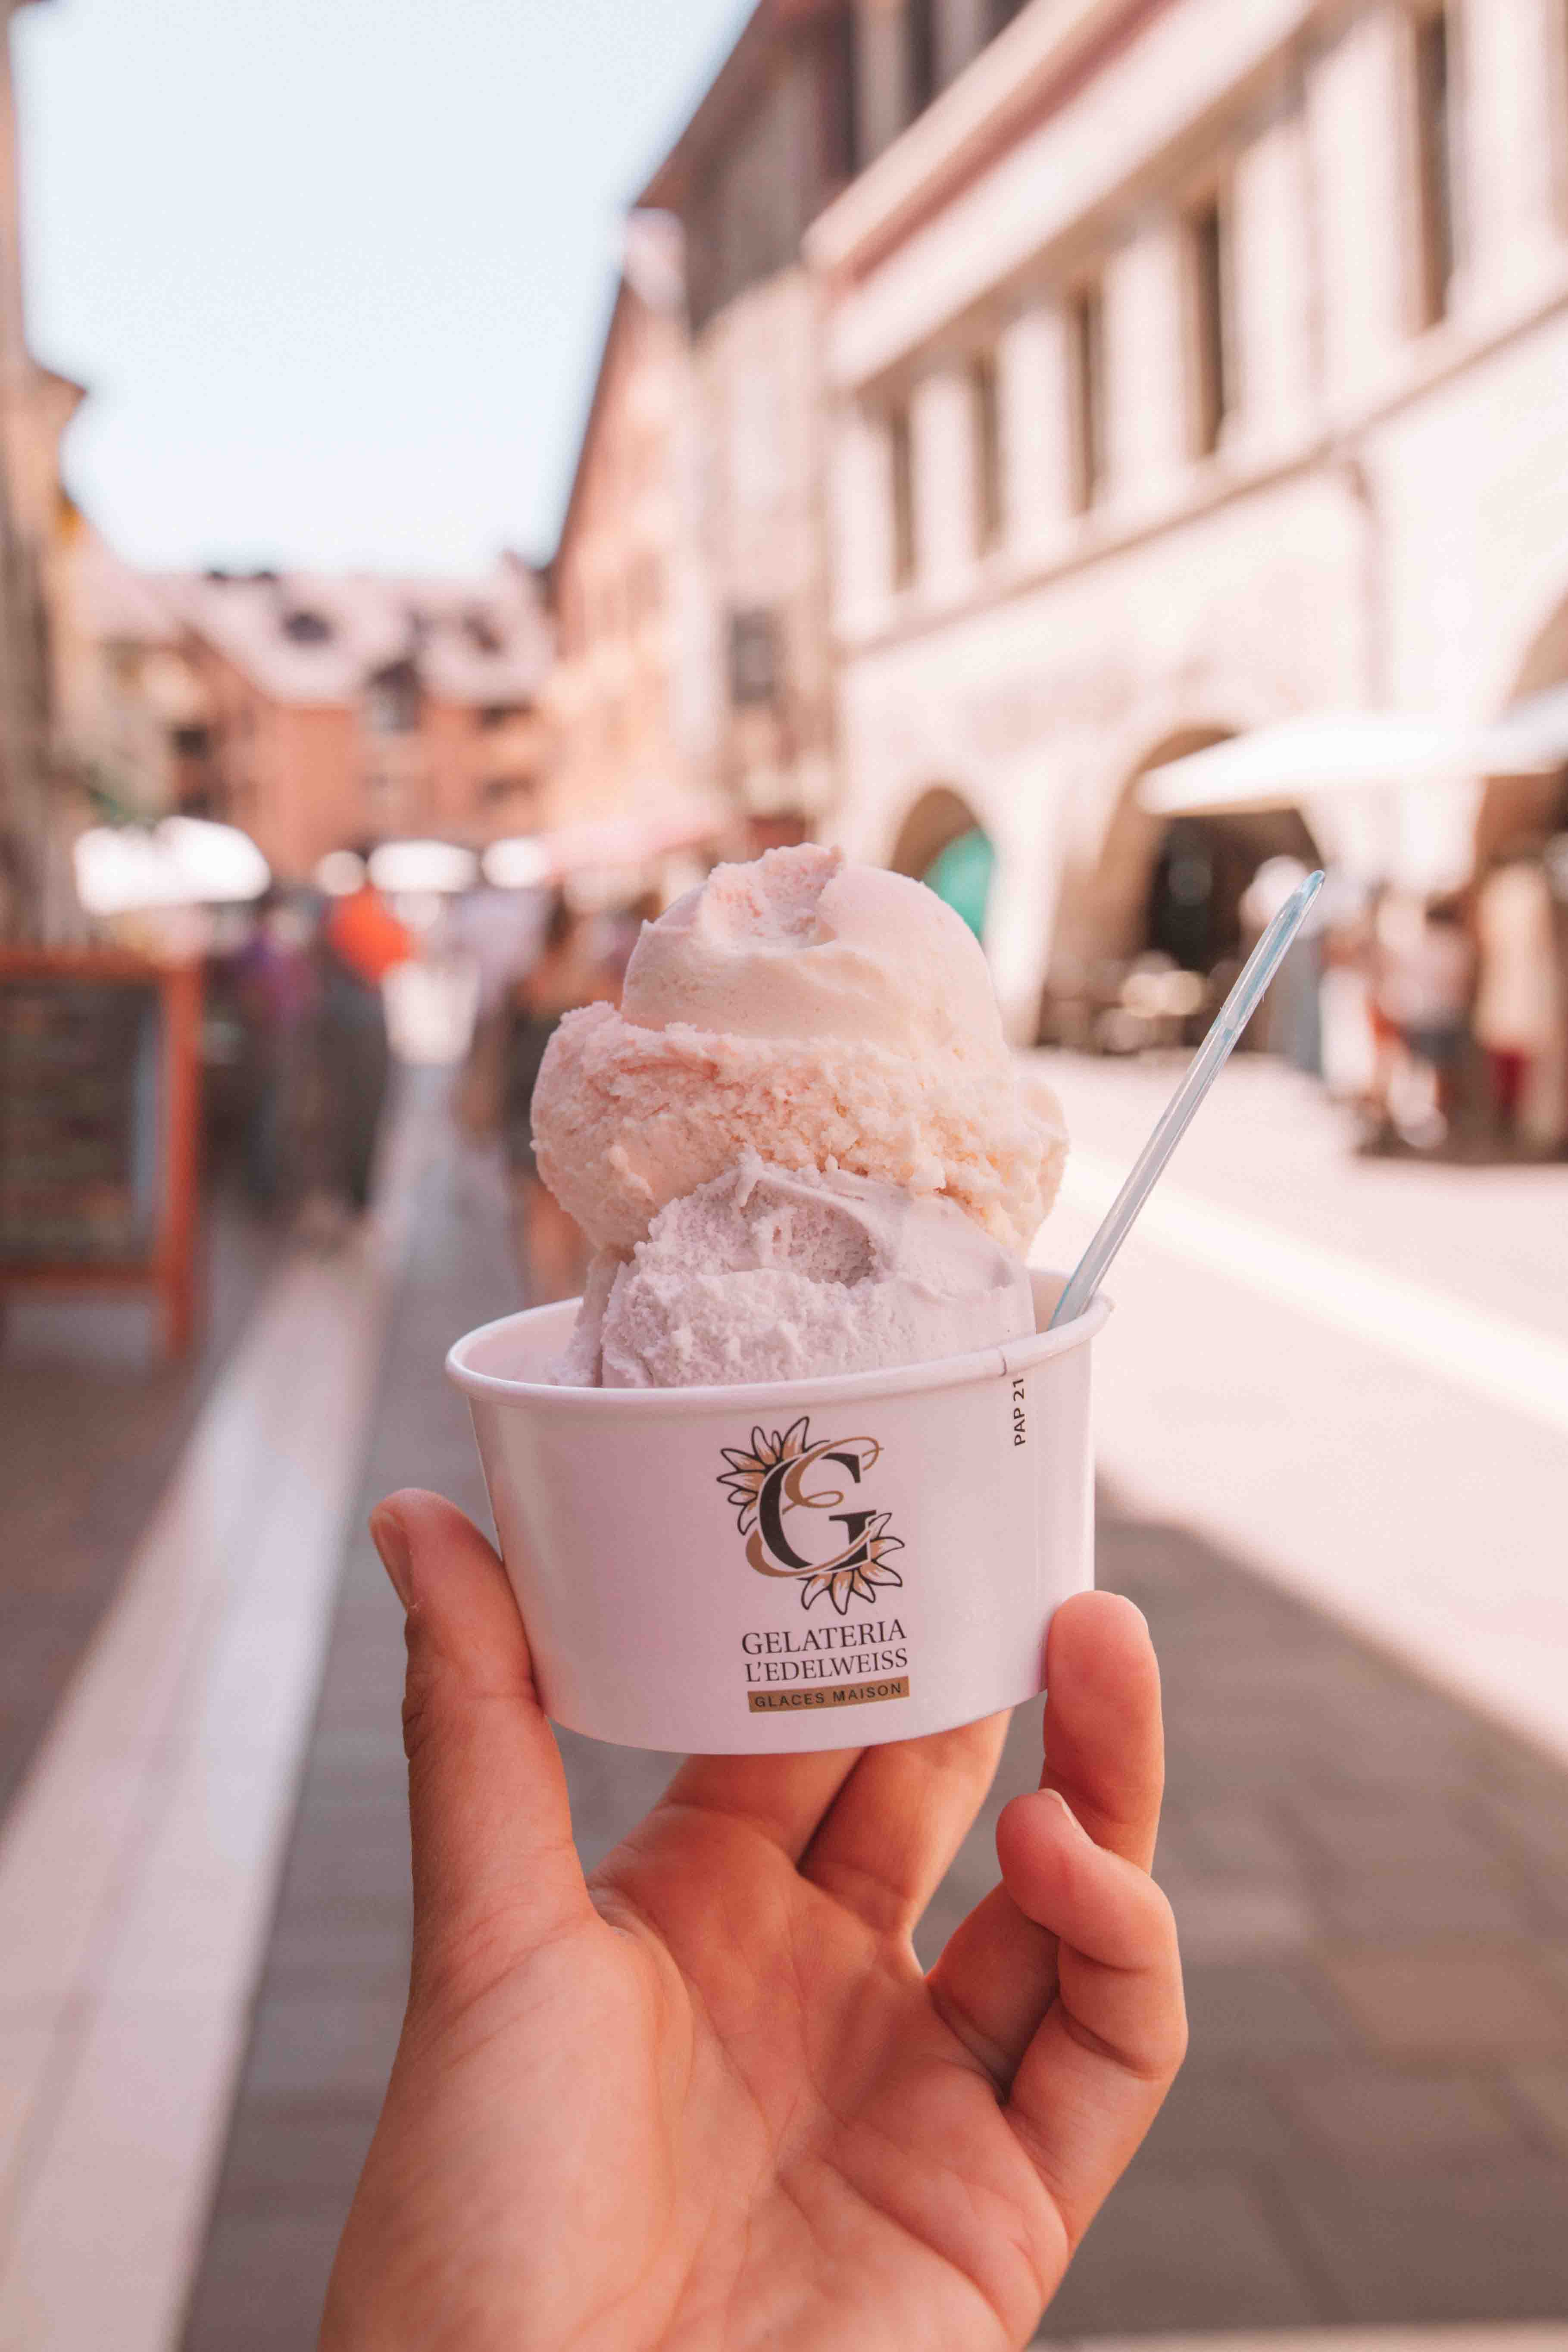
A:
(502, 931)
(360, 942)
(627, 929)
(1344, 1007)
(1401, 1108)
(1555, 861)
(570, 970)
(1519, 1012)
(1429, 993)
(274, 984)
(1292, 1010)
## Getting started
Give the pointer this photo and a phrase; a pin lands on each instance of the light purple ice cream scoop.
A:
(768, 1274)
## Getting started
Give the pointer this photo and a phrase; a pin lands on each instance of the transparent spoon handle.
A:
(1207, 1064)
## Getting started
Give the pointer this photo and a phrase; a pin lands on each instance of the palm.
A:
(712, 2101)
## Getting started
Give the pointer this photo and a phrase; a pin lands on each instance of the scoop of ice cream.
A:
(822, 1014)
(765, 1274)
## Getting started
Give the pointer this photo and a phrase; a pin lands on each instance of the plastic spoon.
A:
(1206, 1064)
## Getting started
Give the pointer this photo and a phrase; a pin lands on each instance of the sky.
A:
(336, 272)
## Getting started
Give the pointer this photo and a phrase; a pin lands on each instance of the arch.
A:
(1104, 901)
(1174, 885)
(938, 818)
(943, 842)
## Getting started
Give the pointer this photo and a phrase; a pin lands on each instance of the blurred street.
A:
(1371, 1874)
(1353, 1371)
(1101, 462)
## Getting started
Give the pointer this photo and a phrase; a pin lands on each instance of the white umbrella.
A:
(1344, 751)
(415, 868)
(183, 861)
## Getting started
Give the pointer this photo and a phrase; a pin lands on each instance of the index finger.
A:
(1104, 1742)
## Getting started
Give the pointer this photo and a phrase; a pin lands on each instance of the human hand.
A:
(708, 2099)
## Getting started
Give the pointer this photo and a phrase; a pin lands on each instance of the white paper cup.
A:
(791, 1564)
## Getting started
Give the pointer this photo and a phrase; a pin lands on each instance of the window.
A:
(1435, 144)
(988, 488)
(901, 455)
(302, 628)
(1086, 392)
(920, 55)
(391, 700)
(1209, 265)
(482, 632)
(839, 97)
(753, 656)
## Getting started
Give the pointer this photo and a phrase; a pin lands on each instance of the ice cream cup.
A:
(793, 1564)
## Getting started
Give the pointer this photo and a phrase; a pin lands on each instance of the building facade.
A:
(1193, 364)
(692, 581)
(36, 529)
(630, 696)
(315, 712)
(774, 137)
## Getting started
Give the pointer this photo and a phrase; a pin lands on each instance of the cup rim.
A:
(1015, 1355)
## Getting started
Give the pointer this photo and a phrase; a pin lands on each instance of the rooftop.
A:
(320, 638)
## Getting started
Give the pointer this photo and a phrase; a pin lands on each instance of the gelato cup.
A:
(795, 1564)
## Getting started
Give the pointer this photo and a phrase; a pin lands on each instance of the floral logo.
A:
(778, 1483)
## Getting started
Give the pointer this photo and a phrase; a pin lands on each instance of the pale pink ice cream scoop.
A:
(822, 1015)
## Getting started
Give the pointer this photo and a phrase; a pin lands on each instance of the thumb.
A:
(495, 1870)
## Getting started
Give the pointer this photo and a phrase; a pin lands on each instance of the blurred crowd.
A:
(1467, 1009)
(297, 1047)
(1441, 1020)
(311, 996)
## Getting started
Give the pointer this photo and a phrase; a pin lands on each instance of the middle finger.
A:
(888, 1838)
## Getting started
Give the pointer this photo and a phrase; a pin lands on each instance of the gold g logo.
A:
(786, 1493)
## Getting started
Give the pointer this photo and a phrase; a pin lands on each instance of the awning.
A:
(420, 868)
(1350, 752)
(1534, 734)
(183, 861)
(608, 843)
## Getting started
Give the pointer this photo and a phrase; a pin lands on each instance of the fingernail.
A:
(1057, 1799)
(387, 1535)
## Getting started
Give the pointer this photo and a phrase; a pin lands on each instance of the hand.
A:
(708, 2099)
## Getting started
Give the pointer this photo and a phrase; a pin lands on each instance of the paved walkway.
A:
(1353, 1373)
(1371, 1883)
(93, 1423)
(138, 1859)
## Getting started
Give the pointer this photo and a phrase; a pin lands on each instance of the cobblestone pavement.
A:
(92, 1424)
(1371, 1885)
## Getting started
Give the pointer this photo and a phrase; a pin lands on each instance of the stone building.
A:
(128, 694)
(36, 525)
(777, 134)
(692, 579)
(1195, 364)
(631, 695)
(316, 711)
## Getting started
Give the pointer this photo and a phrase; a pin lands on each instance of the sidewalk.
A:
(1353, 1373)
(1371, 1883)
(93, 1425)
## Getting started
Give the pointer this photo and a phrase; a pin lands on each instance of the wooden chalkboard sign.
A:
(98, 1079)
